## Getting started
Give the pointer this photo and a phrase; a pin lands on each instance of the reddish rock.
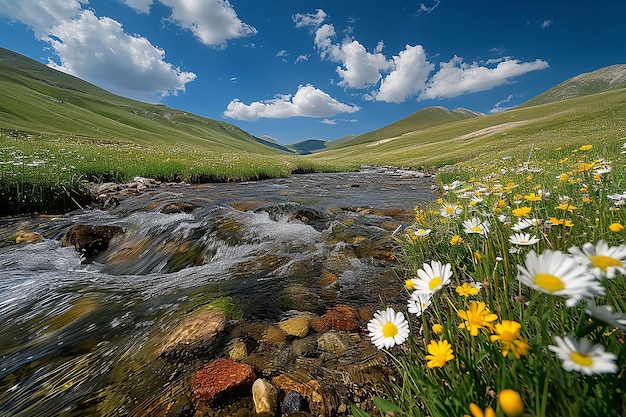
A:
(342, 317)
(220, 377)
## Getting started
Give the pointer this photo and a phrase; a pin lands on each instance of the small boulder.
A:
(90, 239)
(341, 317)
(264, 397)
(296, 326)
(197, 329)
(221, 377)
(178, 207)
(334, 342)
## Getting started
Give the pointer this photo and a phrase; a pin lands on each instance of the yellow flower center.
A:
(549, 282)
(434, 283)
(477, 229)
(390, 330)
(603, 262)
(581, 359)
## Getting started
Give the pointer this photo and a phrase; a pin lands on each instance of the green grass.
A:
(567, 191)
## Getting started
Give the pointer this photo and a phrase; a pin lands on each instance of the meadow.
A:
(48, 172)
(515, 281)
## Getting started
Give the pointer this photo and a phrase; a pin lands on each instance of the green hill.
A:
(422, 119)
(35, 98)
(598, 119)
(598, 81)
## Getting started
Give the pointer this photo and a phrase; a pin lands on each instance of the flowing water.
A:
(78, 335)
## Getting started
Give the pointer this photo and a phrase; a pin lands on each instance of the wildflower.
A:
(388, 328)
(418, 303)
(432, 277)
(586, 147)
(510, 402)
(521, 211)
(422, 232)
(582, 356)
(437, 328)
(557, 273)
(478, 412)
(567, 206)
(450, 210)
(561, 222)
(603, 260)
(507, 334)
(440, 352)
(474, 225)
(532, 197)
(466, 290)
(477, 256)
(476, 317)
(524, 224)
(563, 177)
(616, 227)
(409, 285)
(456, 240)
(523, 239)
(605, 314)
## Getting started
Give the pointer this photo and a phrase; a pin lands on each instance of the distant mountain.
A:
(35, 98)
(308, 146)
(422, 119)
(598, 81)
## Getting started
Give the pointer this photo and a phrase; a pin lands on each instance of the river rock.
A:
(90, 239)
(296, 326)
(334, 342)
(178, 207)
(340, 317)
(264, 397)
(26, 237)
(292, 403)
(193, 332)
(274, 336)
(221, 377)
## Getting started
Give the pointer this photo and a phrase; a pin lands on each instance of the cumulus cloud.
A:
(310, 20)
(456, 77)
(411, 69)
(213, 22)
(360, 68)
(308, 102)
(502, 105)
(99, 51)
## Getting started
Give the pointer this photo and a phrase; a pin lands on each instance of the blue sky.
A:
(298, 69)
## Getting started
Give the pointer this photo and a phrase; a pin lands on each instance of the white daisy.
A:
(603, 260)
(524, 224)
(432, 277)
(523, 239)
(582, 356)
(418, 303)
(450, 210)
(606, 314)
(557, 273)
(422, 232)
(388, 328)
(474, 225)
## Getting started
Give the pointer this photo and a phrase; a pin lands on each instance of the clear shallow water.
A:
(79, 338)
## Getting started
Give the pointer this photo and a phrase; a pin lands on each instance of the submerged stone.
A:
(221, 377)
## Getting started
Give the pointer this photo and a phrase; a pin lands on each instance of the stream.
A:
(81, 332)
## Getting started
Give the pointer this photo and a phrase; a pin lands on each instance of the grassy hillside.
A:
(35, 98)
(421, 119)
(598, 81)
(595, 118)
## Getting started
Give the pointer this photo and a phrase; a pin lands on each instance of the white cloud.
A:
(546, 24)
(499, 107)
(310, 20)
(213, 22)
(308, 102)
(409, 76)
(456, 77)
(142, 6)
(302, 58)
(425, 9)
(360, 68)
(97, 50)
(329, 121)
(41, 15)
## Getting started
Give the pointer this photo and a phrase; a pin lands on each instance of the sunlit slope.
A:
(35, 98)
(599, 81)
(597, 118)
(421, 119)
